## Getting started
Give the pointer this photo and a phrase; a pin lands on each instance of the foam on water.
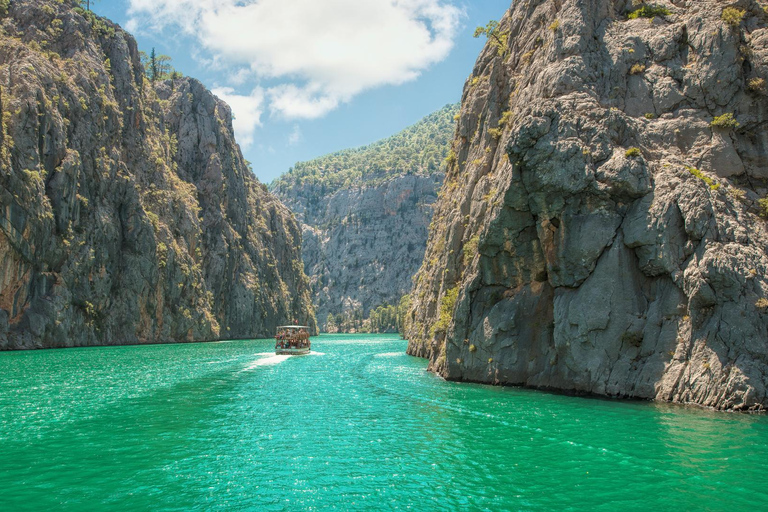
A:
(267, 361)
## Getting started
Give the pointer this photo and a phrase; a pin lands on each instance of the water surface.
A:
(356, 425)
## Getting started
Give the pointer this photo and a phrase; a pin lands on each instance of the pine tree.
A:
(494, 34)
(153, 71)
(87, 3)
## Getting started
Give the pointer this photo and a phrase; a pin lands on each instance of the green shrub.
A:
(495, 132)
(490, 194)
(632, 152)
(154, 219)
(637, 69)
(554, 26)
(763, 205)
(446, 311)
(732, 16)
(90, 310)
(470, 248)
(33, 177)
(472, 348)
(525, 59)
(745, 51)
(737, 193)
(706, 179)
(649, 11)
(756, 84)
(725, 121)
(4, 5)
(650, 115)
(762, 303)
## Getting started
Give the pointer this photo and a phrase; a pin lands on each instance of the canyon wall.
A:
(599, 229)
(365, 214)
(127, 212)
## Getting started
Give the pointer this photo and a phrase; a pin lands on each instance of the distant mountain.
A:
(365, 214)
(419, 149)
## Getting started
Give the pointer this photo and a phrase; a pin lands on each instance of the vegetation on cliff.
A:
(419, 149)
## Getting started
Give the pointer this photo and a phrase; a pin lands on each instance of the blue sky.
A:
(309, 77)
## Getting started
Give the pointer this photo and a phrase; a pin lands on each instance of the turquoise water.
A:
(357, 425)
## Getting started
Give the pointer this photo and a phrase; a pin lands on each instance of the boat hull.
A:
(291, 351)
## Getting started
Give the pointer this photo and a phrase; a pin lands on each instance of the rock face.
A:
(128, 214)
(364, 237)
(598, 230)
(367, 243)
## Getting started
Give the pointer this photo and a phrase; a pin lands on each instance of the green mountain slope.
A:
(420, 148)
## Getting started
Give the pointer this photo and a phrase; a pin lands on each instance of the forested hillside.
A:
(420, 148)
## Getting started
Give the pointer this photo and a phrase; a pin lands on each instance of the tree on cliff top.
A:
(158, 67)
(87, 3)
(496, 37)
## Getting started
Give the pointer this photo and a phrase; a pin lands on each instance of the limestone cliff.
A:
(127, 213)
(599, 227)
(365, 214)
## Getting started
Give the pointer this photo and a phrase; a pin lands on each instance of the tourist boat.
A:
(292, 340)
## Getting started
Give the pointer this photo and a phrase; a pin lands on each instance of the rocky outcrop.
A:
(128, 214)
(599, 226)
(363, 244)
(364, 237)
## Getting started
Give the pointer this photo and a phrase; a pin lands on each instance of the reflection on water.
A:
(219, 426)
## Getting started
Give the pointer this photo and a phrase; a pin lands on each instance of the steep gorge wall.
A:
(365, 214)
(362, 244)
(127, 213)
(597, 231)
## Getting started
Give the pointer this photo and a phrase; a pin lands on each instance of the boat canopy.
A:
(292, 327)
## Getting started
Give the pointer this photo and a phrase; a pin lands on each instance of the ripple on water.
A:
(220, 426)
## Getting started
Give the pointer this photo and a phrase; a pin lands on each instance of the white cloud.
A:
(295, 136)
(309, 102)
(132, 26)
(320, 53)
(247, 112)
